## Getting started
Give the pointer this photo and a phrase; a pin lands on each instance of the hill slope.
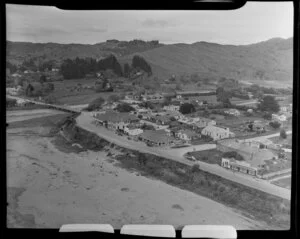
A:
(268, 62)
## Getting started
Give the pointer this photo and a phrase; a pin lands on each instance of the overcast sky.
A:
(252, 23)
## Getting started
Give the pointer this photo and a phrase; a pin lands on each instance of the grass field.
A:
(279, 140)
(65, 95)
(47, 121)
(285, 183)
(212, 156)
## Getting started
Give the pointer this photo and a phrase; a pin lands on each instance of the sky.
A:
(254, 22)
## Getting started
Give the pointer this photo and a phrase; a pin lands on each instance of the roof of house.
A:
(189, 133)
(115, 117)
(214, 128)
(252, 155)
(156, 136)
(232, 110)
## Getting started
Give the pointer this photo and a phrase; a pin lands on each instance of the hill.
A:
(17, 52)
(269, 62)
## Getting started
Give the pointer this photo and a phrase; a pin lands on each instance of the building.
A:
(156, 137)
(280, 118)
(241, 166)
(114, 120)
(217, 133)
(161, 119)
(171, 107)
(153, 97)
(233, 112)
(197, 122)
(255, 158)
(187, 135)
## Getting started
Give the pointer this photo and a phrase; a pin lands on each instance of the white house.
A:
(277, 117)
(217, 133)
(234, 112)
(171, 107)
(187, 135)
(133, 131)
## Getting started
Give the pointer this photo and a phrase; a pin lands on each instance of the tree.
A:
(126, 70)
(283, 134)
(29, 90)
(113, 98)
(274, 124)
(147, 127)
(187, 108)
(139, 62)
(10, 102)
(95, 104)
(269, 104)
(124, 107)
(42, 79)
(223, 96)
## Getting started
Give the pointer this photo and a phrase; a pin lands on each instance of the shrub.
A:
(274, 124)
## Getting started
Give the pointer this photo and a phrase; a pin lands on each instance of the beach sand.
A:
(48, 188)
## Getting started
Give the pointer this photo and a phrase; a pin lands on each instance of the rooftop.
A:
(115, 117)
(159, 136)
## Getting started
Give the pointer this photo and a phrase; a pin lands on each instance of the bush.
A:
(233, 154)
(275, 124)
(195, 168)
(10, 102)
(124, 107)
(283, 134)
(95, 104)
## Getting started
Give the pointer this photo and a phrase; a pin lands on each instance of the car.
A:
(191, 158)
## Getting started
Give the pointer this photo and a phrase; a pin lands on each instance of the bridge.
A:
(51, 106)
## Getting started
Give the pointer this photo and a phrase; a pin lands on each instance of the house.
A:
(132, 130)
(233, 112)
(217, 133)
(153, 97)
(156, 137)
(203, 122)
(161, 119)
(187, 135)
(254, 159)
(241, 166)
(114, 120)
(280, 118)
(171, 107)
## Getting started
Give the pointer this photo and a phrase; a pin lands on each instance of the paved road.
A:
(85, 121)
(247, 103)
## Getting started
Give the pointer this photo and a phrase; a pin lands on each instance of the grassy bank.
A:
(253, 203)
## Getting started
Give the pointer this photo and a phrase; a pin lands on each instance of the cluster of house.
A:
(165, 127)
(261, 158)
(284, 114)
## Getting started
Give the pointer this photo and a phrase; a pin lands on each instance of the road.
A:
(58, 107)
(248, 103)
(85, 121)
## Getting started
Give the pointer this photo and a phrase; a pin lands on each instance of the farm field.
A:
(284, 182)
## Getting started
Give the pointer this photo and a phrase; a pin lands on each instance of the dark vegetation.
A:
(95, 104)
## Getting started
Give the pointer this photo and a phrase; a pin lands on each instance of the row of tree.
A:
(78, 68)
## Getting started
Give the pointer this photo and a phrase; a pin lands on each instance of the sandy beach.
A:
(48, 188)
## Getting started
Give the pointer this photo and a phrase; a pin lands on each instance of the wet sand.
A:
(48, 188)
